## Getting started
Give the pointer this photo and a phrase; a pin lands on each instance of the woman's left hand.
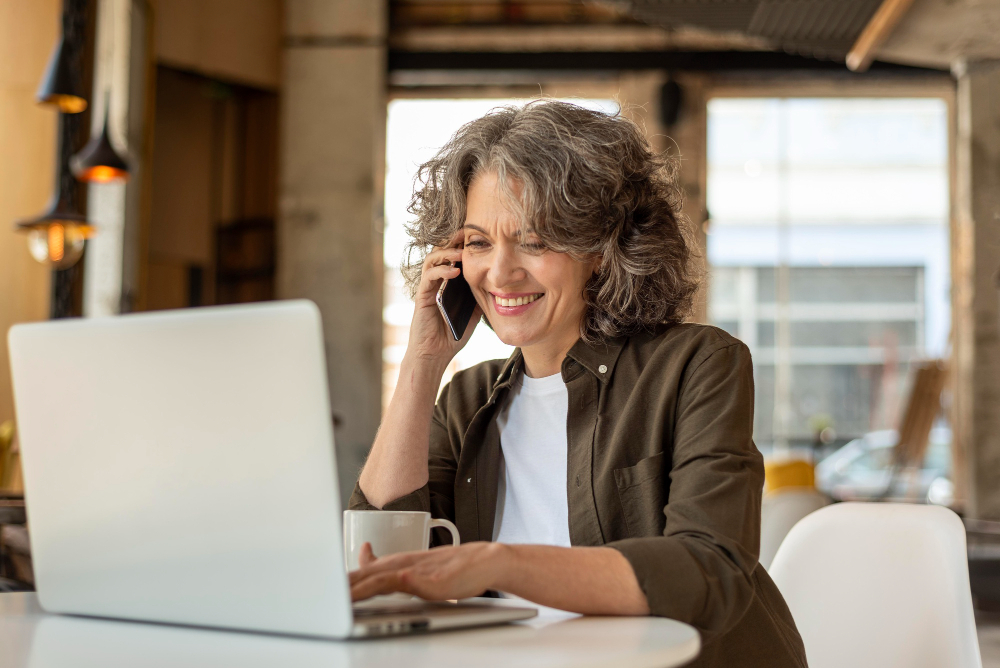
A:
(439, 574)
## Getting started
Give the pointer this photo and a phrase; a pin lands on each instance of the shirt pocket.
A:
(643, 495)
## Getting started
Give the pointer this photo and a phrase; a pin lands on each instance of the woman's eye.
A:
(534, 247)
(476, 243)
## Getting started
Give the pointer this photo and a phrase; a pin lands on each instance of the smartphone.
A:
(456, 303)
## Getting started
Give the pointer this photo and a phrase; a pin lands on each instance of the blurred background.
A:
(840, 160)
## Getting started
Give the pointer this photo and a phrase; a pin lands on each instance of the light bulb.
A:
(102, 174)
(59, 245)
(68, 104)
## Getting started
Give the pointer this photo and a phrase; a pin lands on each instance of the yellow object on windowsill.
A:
(10, 460)
(780, 473)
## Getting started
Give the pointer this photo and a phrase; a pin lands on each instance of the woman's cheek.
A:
(472, 270)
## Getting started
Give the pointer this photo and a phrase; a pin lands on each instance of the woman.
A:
(608, 466)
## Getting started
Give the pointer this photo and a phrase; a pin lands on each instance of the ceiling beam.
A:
(881, 25)
(704, 61)
(637, 37)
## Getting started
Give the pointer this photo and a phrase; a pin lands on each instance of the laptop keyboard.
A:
(415, 606)
(370, 608)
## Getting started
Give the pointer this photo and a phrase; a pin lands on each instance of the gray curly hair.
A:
(591, 185)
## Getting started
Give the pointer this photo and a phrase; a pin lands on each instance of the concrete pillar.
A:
(330, 200)
(686, 140)
(976, 299)
(691, 137)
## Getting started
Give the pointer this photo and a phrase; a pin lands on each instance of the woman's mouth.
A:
(514, 304)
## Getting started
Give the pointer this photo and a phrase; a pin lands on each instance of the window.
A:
(828, 242)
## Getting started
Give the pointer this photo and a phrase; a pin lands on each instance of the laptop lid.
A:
(179, 468)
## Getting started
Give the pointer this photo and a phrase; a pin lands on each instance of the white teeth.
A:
(517, 301)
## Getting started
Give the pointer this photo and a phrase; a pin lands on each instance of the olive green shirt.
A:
(661, 467)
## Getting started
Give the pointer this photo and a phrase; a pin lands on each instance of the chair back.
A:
(780, 511)
(880, 585)
(922, 407)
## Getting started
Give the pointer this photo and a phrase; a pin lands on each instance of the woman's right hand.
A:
(397, 463)
(430, 339)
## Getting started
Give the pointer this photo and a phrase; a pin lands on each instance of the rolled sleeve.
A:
(438, 495)
(700, 570)
(416, 500)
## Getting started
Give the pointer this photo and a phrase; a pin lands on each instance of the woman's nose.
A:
(504, 269)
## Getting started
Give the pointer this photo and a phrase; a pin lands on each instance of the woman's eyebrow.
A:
(469, 226)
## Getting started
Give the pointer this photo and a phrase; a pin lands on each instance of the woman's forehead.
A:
(493, 207)
(488, 210)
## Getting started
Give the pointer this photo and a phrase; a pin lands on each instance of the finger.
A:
(390, 562)
(383, 583)
(431, 279)
(442, 271)
(367, 555)
(442, 256)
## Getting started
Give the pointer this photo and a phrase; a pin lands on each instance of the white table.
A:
(30, 637)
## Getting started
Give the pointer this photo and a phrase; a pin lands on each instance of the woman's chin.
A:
(514, 338)
(511, 341)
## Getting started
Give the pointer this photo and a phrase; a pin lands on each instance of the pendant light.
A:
(58, 86)
(57, 236)
(98, 161)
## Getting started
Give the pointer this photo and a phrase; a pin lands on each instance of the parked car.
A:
(861, 469)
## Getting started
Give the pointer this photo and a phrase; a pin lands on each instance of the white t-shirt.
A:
(531, 499)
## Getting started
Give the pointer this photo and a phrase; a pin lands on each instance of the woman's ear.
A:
(595, 264)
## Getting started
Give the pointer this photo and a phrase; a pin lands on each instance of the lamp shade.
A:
(671, 99)
(58, 86)
(98, 161)
(57, 236)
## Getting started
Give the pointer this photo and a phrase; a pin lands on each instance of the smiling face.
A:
(532, 296)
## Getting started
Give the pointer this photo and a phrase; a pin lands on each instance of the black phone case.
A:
(456, 303)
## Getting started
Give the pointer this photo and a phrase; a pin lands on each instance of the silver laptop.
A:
(179, 468)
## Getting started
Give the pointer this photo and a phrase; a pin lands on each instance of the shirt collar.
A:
(507, 372)
(597, 358)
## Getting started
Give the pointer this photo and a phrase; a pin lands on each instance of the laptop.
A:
(179, 468)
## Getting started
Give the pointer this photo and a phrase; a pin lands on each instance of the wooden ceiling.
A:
(932, 33)
(428, 13)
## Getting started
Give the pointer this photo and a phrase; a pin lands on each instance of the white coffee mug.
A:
(389, 532)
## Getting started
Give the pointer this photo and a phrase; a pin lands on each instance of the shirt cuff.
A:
(419, 499)
(703, 589)
(651, 560)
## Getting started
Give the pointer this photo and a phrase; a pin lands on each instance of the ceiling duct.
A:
(820, 28)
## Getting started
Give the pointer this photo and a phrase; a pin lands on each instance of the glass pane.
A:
(851, 195)
(845, 284)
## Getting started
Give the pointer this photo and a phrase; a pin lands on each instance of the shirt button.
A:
(469, 480)
(578, 481)
(603, 368)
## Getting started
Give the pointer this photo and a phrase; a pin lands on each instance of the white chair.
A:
(880, 585)
(779, 512)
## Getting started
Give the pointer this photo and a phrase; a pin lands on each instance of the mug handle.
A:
(452, 529)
